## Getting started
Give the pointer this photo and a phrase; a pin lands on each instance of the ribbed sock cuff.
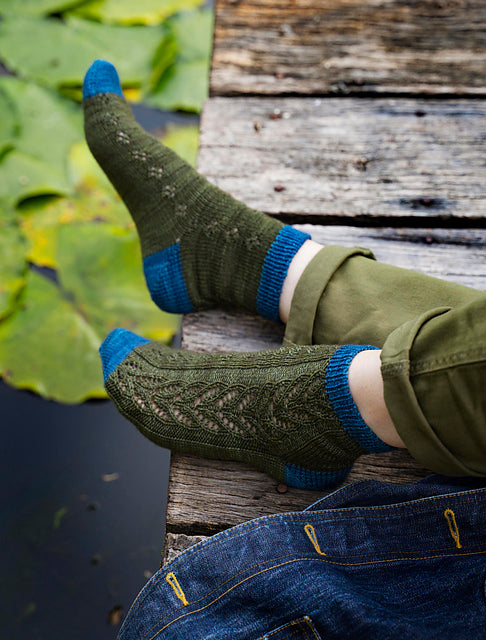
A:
(275, 267)
(339, 394)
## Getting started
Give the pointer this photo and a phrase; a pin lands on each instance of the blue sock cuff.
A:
(116, 347)
(339, 394)
(101, 77)
(275, 267)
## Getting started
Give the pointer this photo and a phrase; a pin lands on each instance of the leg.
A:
(289, 412)
(346, 296)
(434, 372)
(201, 248)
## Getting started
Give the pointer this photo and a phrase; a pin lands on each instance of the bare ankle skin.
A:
(296, 268)
(366, 386)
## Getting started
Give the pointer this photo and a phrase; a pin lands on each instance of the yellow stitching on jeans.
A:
(172, 580)
(309, 529)
(450, 516)
(222, 595)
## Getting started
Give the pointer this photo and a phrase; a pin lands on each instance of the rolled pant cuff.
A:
(309, 290)
(401, 401)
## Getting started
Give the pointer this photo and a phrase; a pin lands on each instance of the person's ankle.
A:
(366, 386)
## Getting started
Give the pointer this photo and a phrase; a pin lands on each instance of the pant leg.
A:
(433, 335)
(346, 297)
(434, 373)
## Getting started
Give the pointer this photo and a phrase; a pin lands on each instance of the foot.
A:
(289, 412)
(201, 247)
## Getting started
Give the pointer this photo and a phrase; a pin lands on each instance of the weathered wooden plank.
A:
(350, 160)
(175, 543)
(349, 46)
(206, 496)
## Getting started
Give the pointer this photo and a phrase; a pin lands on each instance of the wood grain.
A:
(176, 543)
(340, 47)
(207, 496)
(350, 161)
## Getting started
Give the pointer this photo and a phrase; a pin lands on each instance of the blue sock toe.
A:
(101, 77)
(116, 347)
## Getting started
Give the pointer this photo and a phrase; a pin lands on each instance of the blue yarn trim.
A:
(165, 280)
(303, 478)
(275, 267)
(339, 394)
(101, 77)
(116, 347)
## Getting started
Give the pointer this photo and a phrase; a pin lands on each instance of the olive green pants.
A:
(433, 339)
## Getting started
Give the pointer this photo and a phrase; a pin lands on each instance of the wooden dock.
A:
(365, 121)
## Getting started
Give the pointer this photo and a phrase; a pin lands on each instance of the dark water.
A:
(74, 545)
(82, 508)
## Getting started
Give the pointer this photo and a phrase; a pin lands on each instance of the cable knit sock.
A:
(201, 247)
(289, 411)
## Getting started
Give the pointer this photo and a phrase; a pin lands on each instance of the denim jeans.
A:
(371, 560)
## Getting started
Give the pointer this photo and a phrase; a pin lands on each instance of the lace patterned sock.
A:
(289, 411)
(201, 247)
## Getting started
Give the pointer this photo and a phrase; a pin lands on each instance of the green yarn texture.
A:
(223, 243)
(266, 408)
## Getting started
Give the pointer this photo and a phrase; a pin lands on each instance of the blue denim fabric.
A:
(371, 560)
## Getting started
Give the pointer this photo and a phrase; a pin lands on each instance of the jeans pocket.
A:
(300, 629)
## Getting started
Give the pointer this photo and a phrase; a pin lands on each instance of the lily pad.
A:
(58, 53)
(93, 199)
(193, 31)
(129, 12)
(100, 268)
(50, 343)
(13, 267)
(23, 176)
(46, 125)
(9, 122)
(36, 7)
(49, 348)
(184, 140)
(184, 85)
(38, 128)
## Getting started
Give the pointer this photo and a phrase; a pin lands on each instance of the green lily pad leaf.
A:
(185, 83)
(13, 267)
(59, 53)
(22, 176)
(47, 125)
(184, 140)
(93, 199)
(9, 122)
(129, 12)
(49, 348)
(100, 266)
(193, 32)
(36, 7)
(184, 87)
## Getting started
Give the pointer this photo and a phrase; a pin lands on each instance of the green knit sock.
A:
(201, 247)
(289, 412)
